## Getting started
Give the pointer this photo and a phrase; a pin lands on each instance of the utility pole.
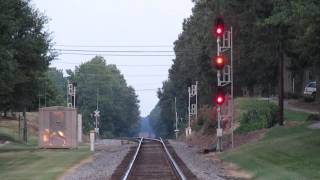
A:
(176, 114)
(74, 95)
(45, 94)
(97, 113)
(25, 128)
(68, 93)
(281, 88)
(97, 98)
(188, 130)
(19, 126)
(196, 94)
(39, 105)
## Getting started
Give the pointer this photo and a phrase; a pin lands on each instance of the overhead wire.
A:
(149, 89)
(128, 55)
(114, 51)
(114, 46)
(78, 50)
(73, 50)
(131, 75)
(120, 65)
(138, 53)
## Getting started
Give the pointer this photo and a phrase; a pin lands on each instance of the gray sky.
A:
(80, 23)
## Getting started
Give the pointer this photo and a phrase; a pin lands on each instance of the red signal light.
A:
(220, 97)
(218, 28)
(220, 100)
(218, 62)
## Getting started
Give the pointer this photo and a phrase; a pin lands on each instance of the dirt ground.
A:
(229, 170)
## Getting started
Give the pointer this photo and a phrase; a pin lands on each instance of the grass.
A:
(27, 161)
(244, 104)
(285, 153)
(295, 115)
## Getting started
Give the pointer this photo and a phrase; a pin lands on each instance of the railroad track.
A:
(152, 160)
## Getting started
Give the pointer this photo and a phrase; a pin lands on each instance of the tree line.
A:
(265, 32)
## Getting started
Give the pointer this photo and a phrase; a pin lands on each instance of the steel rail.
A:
(175, 165)
(151, 139)
(125, 177)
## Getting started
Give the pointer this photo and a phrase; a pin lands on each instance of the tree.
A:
(266, 33)
(56, 87)
(118, 103)
(24, 53)
(196, 45)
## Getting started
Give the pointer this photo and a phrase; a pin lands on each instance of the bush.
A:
(313, 117)
(207, 119)
(258, 117)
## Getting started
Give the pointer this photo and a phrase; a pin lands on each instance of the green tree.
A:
(56, 84)
(25, 53)
(118, 102)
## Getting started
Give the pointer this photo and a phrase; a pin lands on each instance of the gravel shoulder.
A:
(201, 166)
(108, 155)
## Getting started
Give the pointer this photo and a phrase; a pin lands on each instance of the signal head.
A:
(220, 97)
(218, 29)
(219, 62)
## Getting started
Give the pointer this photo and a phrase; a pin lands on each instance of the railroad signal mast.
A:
(71, 94)
(224, 74)
(192, 106)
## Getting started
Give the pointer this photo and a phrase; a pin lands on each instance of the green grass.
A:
(28, 162)
(244, 104)
(284, 153)
(295, 115)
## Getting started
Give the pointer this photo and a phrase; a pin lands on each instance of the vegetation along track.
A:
(151, 160)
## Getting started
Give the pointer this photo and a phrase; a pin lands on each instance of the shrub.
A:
(207, 119)
(258, 117)
(313, 117)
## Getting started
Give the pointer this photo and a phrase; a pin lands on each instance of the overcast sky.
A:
(143, 25)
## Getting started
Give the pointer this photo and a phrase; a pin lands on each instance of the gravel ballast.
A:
(200, 166)
(107, 156)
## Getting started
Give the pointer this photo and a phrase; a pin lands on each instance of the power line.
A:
(146, 89)
(191, 50)
(141, 65)
(128, 75)
(127, 55)
(146, 75)
(113, 51)
(120, 65)
(114, 46)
